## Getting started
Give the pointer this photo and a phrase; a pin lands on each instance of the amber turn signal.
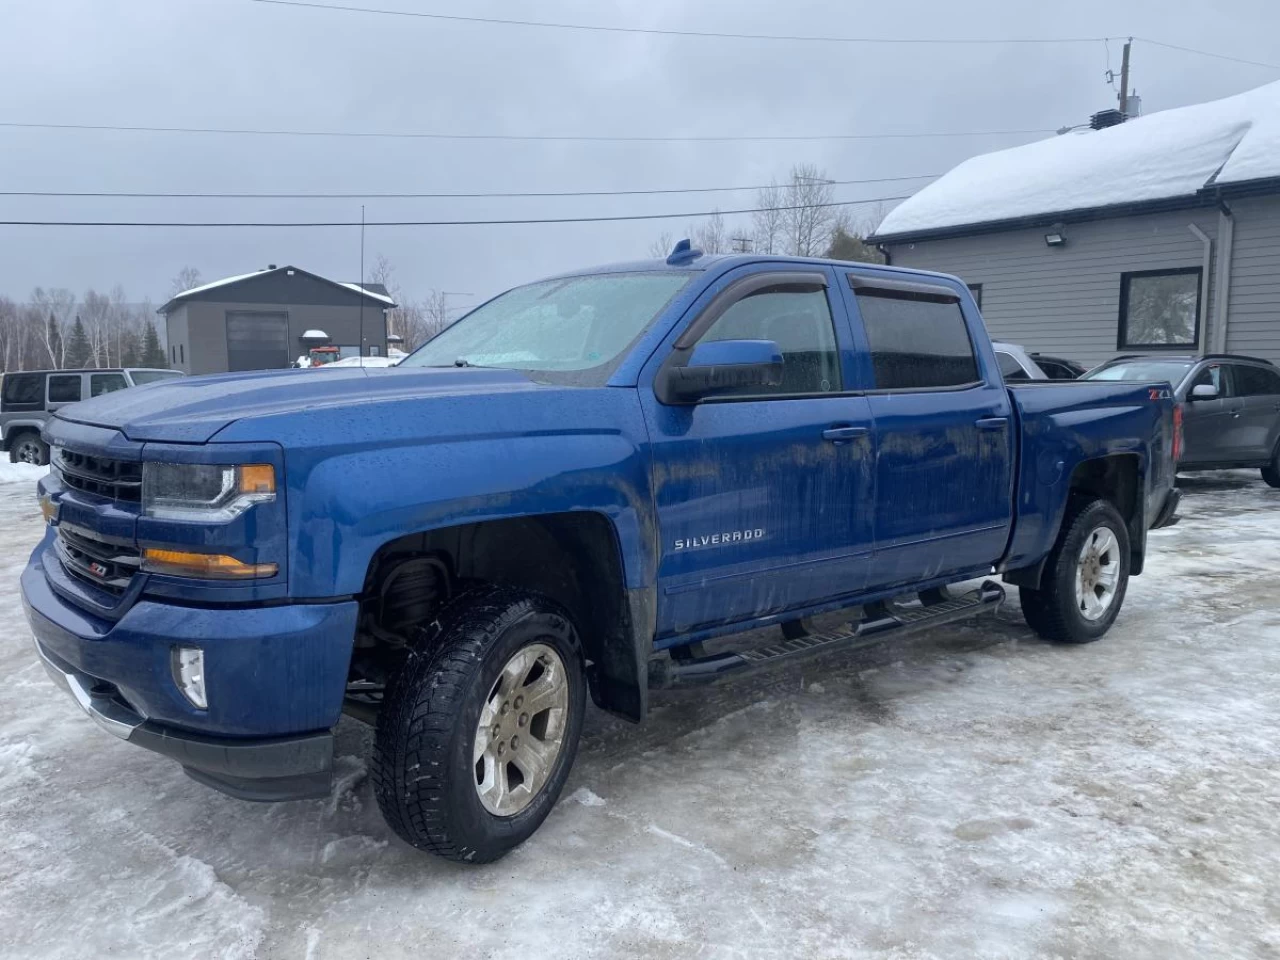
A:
(206, 566)
(257, 478)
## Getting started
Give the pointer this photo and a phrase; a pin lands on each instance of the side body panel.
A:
(1064, 424)
(944, 463)
(759, 510)
(385, 469)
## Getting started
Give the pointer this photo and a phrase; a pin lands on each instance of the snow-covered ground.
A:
(972, 793)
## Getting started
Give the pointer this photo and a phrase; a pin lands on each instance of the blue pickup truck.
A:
(572, 491)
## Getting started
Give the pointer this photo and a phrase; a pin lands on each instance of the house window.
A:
(182, 353)
(976, 290)
(1160, 308)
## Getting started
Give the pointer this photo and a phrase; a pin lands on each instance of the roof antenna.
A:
(683, 252)
(362, 348)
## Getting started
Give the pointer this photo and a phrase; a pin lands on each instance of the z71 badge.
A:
(718, 539)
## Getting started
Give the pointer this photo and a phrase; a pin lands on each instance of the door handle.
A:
(992, 423)
(843, 434)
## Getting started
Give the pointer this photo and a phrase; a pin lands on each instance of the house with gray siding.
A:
(1160, 234)
(266, 320)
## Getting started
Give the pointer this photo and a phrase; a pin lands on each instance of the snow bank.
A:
(20, 472)
(1174, 153)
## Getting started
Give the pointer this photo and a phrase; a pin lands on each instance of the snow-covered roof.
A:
(217, 283)
(367, 292)
(1167, 155)
(373, 291)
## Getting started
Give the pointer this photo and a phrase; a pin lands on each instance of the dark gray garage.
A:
(268, 319)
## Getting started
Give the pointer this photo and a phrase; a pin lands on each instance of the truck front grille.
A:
(114, 479)
(108, 566)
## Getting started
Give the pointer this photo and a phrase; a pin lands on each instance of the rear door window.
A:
(23, 391)
(100, 383)
(917, 341)
(64, 388)
(1255, 381)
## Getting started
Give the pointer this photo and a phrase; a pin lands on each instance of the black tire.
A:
(1271, 472)
(423, 771)
(29, 448)
(1052, 610)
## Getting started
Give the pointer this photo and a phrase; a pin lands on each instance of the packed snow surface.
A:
(972, 793)
(1173, 153)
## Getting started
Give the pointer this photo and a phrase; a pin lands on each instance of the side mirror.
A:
(721, 366)
(1204, 391)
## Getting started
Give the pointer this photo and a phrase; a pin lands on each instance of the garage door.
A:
(257, 341)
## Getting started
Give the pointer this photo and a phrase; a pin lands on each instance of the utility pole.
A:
(1124, 79)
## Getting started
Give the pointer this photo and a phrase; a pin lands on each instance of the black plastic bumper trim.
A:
(283, 768)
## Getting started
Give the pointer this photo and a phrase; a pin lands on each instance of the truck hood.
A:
(194, 409)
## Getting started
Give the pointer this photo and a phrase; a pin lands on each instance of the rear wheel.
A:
(1085, 576)
(29, 448)
(479, 729)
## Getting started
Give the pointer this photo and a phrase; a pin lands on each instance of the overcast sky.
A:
(237, 63)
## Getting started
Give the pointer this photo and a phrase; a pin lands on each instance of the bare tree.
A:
(661, 247)
(56, 305)
(186, 279)
(808, 215)
(710, 235)
(767, 221)
(435, 314)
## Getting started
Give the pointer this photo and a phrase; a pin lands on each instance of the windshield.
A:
(151, 376)
(571, 325)
(1171, 370)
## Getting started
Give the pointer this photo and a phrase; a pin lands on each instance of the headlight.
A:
(205, 492)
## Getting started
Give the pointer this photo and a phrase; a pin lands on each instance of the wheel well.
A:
(1116, 478)
(572, 558)
(17, 433)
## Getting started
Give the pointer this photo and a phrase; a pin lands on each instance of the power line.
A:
(582, 138)
(441, 223)
(657, 31)
(433, 196)
(1207, 53)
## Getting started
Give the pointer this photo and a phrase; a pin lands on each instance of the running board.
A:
(886, 620)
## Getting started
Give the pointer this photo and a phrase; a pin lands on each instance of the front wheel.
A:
(29, 448)
(1085, 576)
(1271, 472)
(479, 729)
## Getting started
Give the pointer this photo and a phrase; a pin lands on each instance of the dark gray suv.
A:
(1230, 407)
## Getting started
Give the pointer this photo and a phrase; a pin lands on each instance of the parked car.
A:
(346, 362)
(1230, 407)
(1017, 364)
(567, 492)
(1059, 368)
(28, 398)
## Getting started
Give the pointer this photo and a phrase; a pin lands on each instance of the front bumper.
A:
(275, 677)
(283, 768)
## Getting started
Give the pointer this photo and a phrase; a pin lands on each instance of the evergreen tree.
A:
(131, 349)
(78, 348)
(152, 352)
(849, 246)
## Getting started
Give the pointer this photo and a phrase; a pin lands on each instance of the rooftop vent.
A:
(1106, 118)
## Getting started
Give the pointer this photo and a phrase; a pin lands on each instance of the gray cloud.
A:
(238, 64)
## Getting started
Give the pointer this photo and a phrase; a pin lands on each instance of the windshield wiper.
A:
(460, 362)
